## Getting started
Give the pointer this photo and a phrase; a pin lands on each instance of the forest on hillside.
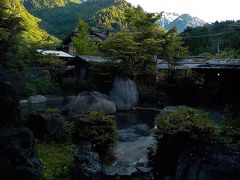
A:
(61, 20)
(222, 38)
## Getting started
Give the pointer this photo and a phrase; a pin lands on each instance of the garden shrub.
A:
(41, 85)
(69, 129)
(75, 85)
(52, 62)
(103, 74)
(178, 130)
(98, 128)
(56, 160)
(229, 135)
(229, 132)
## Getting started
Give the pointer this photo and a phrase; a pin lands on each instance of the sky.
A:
(207, 10)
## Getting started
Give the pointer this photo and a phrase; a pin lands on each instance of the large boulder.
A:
(212, 163)
(90, 101)
(47, 122)
(124, 93)
(18, 158)
(87, 164)
(37, 99)
(9, 90)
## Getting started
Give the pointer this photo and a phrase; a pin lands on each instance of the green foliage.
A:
(52, 62)
(178, 130)
(229, 135)
(56, 159)
(81, 41)
(192, 123)
(104, 74)
(143, 40)
(69, 130)
(19, 32)
(41, 4)
(228, 113)
(229, 132)
(20, 19)
(228, 53)
(60, 21)
(122, 47)
(138, 20)
(112, 17)
(75, 85)
(100, 129)
(226, 34)
(41, 85)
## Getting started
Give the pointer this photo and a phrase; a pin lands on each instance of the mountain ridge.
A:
(60, 21)
(169, 20)
(42, 4)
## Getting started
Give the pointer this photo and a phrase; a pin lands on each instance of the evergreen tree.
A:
(9, 29)
(81, 42)
(144, 40)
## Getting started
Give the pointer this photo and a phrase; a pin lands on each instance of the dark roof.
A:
(91, 58)
(195, 64)
(181, 64)
(221, 64)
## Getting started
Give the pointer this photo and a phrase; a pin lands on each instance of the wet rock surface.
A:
(132, 153)
(87, 164)
(212, 163)
(18, 158)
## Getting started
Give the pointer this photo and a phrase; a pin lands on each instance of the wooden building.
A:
(79, 66)
(94, 36)
(221, 80)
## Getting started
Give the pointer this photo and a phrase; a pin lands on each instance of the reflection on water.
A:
(123, 119)
(127, 119)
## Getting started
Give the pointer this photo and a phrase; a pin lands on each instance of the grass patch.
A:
(56, 160)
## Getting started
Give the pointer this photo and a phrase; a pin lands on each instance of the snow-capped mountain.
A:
(169, 20)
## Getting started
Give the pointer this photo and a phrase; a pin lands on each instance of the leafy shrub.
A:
(192, 122)
(41, 85)
(228, 112)
(229, 132)
(75, 85)
(100, 129)
(56, 160)
(178, 130)
(69, 129)
(52, 62)
(229, 135)
(103, 74)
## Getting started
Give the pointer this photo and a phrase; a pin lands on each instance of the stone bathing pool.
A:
(135, 136)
